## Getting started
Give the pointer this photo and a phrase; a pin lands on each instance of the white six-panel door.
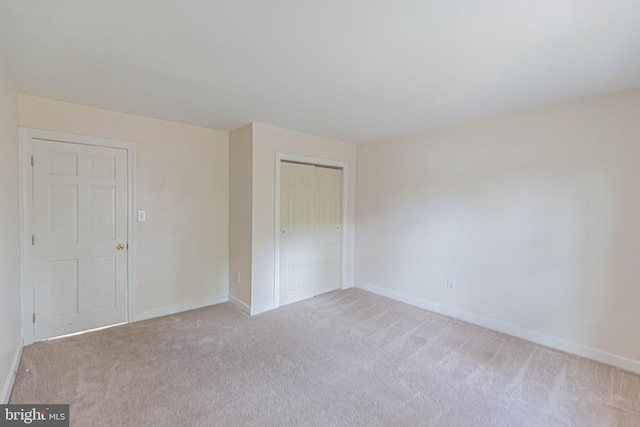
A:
(80, 237)
(310, 235)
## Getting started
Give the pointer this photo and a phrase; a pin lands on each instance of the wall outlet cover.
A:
(451, 285)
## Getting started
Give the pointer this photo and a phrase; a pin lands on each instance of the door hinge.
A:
(33, 239)
(32, 161)
(33, 318)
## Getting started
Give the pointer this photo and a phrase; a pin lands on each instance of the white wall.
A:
(240, 210)
(182, 183)
(267, 141)
(10, 326)
(535, 215)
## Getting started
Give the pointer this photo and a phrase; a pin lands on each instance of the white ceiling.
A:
(355, 70)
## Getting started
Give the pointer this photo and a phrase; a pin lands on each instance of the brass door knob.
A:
(120, 246)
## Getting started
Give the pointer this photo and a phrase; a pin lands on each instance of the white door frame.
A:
(280, 157)
(27, 136)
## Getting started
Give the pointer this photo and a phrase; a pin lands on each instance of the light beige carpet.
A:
(341, 359)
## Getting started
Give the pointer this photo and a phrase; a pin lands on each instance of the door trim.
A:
(27, 136)
(316, 161)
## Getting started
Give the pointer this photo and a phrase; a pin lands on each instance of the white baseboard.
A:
(525, 334)
(240, 305)
(11, 377)
(250, 310)
(348, 285)
(186, 306)
(259, 309)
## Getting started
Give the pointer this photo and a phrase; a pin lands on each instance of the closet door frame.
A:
(288, 157)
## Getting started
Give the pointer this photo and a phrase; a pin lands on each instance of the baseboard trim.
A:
(178, 308)
(247, 309)
(240, 305)
(259, 309)
(525, 334)
(7, 388)
(348, 285)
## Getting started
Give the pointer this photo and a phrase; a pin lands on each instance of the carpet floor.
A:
(347, 358)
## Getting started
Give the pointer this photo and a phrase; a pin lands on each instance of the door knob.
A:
(120, 246)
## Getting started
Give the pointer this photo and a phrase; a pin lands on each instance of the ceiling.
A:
(355, 70)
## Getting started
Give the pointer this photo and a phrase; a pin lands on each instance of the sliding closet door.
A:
(296, 232)
(310, 231)
(328, 220)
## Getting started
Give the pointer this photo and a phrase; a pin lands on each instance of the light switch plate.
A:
(142, 216)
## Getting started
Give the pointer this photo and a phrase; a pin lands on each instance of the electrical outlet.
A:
(451, 285)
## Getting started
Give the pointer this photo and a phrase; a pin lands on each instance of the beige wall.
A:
(182, 183)
(535, 215)
(240, 209)
(10, 325)
(267, 140)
